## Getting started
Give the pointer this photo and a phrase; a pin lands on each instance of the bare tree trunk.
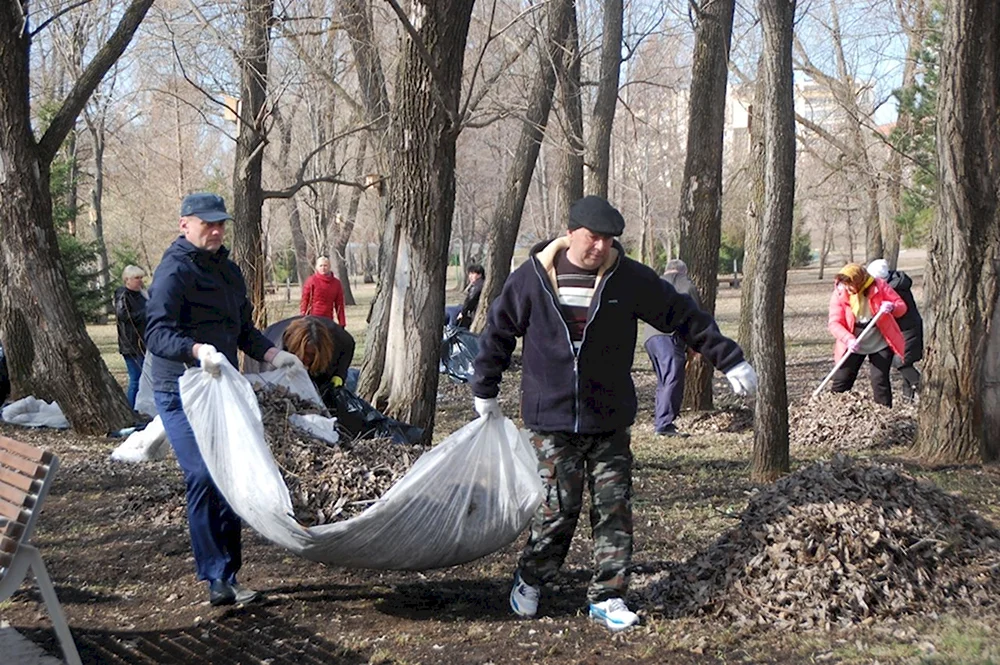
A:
(97, 206)
(248, 193)
(770, 433)
(603, 118)
(423, 132)
(303, 267)
(57, 360)
(961, 285)
(755, 207)
(344, 227)
(904, 122)
(510, 204)
(570, 186)
(701, 193)
(825, 248)
(371, 77)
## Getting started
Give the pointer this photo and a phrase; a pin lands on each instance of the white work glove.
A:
(743, 379)
(286, 360)
(488, 406)
(887, 306)
(210, 359)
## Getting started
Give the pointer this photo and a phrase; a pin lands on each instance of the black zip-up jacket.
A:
(910, 324)
(130, 316)
(590, 392)
(197, 296)
(471, 302)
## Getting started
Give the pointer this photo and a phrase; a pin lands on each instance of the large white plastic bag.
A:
(144, 397)
(33, 412)
(467, 497)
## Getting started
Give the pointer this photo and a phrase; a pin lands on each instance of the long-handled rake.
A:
(843, 359)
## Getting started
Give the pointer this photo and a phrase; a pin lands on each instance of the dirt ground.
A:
(115, 540)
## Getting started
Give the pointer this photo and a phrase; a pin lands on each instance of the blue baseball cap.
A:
(205, 206)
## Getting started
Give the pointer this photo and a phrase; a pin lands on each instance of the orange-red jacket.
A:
(323, 295)
(841, 319)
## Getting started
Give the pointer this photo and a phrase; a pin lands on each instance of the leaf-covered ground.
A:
(115, 541)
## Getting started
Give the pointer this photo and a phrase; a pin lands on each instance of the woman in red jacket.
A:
(323, 294)
(857, 298)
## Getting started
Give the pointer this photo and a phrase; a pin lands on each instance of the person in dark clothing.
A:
(911, 325)
(130, 315)
(462, 315)
(668, 355)
(323, 346)
(198, 312)
(576, 303)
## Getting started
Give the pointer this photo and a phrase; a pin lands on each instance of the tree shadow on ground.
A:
(480, 600)
(250, 635)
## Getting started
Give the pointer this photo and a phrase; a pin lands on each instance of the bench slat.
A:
(18, 480)
(13, 512)
(25, 466)
(14, 495)
(25, 450)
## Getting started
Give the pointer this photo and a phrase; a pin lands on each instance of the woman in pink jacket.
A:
(857, 298)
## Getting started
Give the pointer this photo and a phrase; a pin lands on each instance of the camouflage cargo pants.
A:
(565, 462)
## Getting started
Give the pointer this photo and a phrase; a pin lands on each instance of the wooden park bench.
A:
(26, 473)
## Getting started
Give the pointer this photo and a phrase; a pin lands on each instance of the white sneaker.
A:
(524, 598)
(614, 613)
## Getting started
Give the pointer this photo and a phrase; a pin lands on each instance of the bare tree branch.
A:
(44, 24)
(65, 117)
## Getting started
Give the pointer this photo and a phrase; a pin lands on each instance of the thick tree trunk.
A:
(424, 128)
(570, 185)
(603, 118)
(755, 207)
(701, 192)
(49, 353)
(961, 285)
(770, 436)
(248, 193)
(509, 208)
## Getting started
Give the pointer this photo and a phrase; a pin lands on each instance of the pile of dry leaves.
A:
(329, 483)
(835, 544)
(850, 421)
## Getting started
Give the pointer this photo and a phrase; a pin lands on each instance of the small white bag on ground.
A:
(34, 412)
(467, 497)
(145, 445)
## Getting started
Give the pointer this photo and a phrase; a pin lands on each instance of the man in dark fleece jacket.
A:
(198, 311)
(910, 324)
(576, 302)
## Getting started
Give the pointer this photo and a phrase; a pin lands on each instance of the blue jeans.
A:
(667, 353)
(214, 527)
(134, 366)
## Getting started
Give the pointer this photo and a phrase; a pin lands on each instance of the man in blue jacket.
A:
(576, 302)
(198, 312)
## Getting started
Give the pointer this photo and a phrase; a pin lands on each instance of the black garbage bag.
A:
(357, 419)
(459, 348)
(4, 377)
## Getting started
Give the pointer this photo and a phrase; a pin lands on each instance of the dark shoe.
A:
(220, 593)
(245, 595)
(670, 430)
